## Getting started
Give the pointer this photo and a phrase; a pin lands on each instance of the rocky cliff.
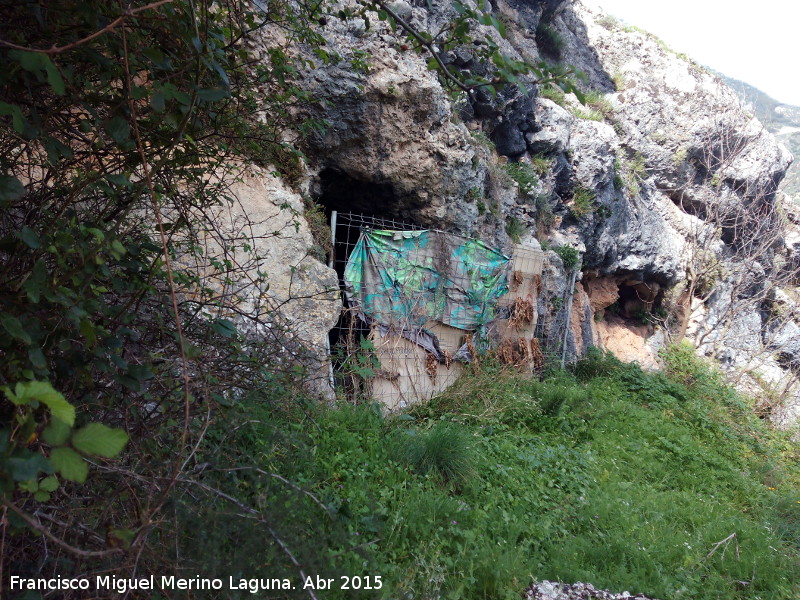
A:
(782, 120)
(662, 182)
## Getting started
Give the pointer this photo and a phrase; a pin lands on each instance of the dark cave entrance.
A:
(632, 301)
(357, 205)
(639, 302)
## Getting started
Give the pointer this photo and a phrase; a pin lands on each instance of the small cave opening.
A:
(639, 302)
(357, 204)
(632, 302)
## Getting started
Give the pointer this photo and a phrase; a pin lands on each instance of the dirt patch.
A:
(627, 342)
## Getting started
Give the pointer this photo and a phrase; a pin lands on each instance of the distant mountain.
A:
(782, 120)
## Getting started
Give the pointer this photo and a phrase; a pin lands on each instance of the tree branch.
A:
(113, 25)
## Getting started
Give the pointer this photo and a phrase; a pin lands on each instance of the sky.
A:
(757, 42)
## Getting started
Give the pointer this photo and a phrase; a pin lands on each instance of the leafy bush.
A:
(116, 296)
(569, 256)
(596, 363)
(553, 396)
(682, 364)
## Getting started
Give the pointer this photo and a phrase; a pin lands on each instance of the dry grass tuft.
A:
(521, 313)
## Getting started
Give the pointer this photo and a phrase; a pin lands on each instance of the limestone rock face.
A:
(640, 180)
(285, 295)
(393, 126)
(551, 129)
(683, 119)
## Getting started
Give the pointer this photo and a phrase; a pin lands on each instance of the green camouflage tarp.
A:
(401, 279)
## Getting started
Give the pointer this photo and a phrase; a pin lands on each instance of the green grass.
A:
(541, 164)
(600, 104)
(605, 474)
(583, 202)
(483, 140)
(586, 113)
(525, 174)
(515, 229)
(630, 173)
(553, 93)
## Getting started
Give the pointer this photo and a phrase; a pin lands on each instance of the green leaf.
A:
(10, 189)
(54, 77)
(212, 94)
(31, 485)
(88, 331)
(119, 180)
(182, 97)
(49, 484)
(37, 358)
(224, 327)
(55, 401)
(117, 249)
(28, 467)
(17, 120)
(37, 281)
(141, 372)
(138, 92)
(157, 101)
(69, 464)
(30, 61)
(42, 391)
(132, 384)
(501, 29)
(29, 236)
(221, 72)
(157, 57)
(100, 440)
(118, 129)
(41, 496)
(12, 325)
(56, 433)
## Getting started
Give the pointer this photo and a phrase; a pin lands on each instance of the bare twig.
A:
(170, 278)
(252, 511)
(4, 525)
(282, 479)
(111, 26)
(36, 525)
(726, 542)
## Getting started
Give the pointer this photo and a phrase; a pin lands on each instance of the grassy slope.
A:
(629, 484)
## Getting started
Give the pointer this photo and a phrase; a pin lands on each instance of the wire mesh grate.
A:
(412, 358)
